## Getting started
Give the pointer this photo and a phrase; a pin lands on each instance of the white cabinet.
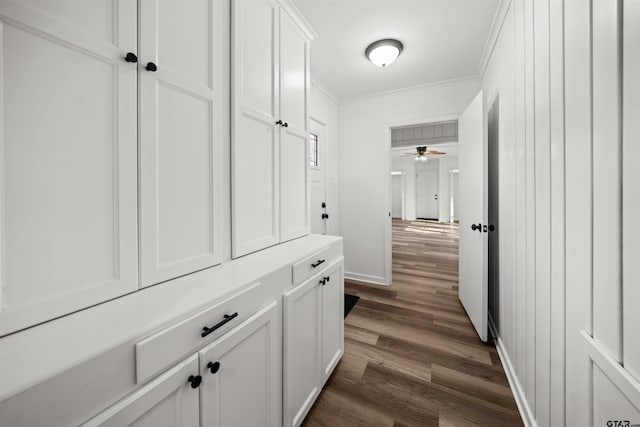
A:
(180, 137)
(68, 157)
(332, 319)
(171, 400)
(270, 200)
(302, 349)
(294, 145)
(242, 374)
(313, 339)
(82, 126)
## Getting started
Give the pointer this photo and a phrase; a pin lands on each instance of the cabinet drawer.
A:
(167, 346)
(310, 265)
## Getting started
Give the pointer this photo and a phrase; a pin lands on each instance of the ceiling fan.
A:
(422, 153)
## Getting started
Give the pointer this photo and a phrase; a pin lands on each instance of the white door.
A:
(68, 153)
(332, 320)
(317, 178)
(427, 195)
(171, 400)
(294, 146)
(397, 195)
(255, 147)
(180, 137)
(242, 374)
(302, 349)
(472, 204)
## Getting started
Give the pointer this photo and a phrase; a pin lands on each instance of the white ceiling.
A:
(443, 40)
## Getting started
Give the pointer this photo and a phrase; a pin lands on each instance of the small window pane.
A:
(313, 150)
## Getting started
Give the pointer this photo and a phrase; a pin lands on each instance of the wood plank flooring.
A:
(412, 357)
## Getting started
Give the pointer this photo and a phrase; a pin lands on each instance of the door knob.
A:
(131, 57)
(476, 227)
(151, 67)
(324, 204)
(279, 122)
(325, 216)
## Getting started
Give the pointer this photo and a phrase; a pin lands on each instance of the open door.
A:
(472, 204)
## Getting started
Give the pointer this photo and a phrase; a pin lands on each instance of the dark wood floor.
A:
(412, 357)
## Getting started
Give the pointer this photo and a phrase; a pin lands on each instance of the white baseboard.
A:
(376, 280)
(521, 400)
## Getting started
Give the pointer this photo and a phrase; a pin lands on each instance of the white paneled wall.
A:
(565, 73)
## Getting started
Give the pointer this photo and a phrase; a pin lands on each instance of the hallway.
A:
(411, 355)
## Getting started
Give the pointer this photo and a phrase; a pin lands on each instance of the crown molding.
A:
(441, 83)
(315, 81)
(299, 18)
(492, 37)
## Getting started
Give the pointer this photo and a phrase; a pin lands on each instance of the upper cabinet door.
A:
(180, 137)
(68, 152)
(294, 145)
(255, 147)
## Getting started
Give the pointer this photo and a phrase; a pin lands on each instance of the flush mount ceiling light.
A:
(383, 52)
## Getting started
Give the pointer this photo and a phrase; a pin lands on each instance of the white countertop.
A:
(41, 352)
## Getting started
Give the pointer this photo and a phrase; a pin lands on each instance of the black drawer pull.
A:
(317, 263)
(227, 318)
(195, 381)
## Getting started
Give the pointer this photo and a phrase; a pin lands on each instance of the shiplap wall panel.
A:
(556, 86)
(577, 60)
(507, 188)
(530, 205)
(607, 289)
(631, 187)
(520, 196)
(543, 209)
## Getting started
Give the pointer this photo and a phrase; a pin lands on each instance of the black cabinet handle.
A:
(227, 318)
(317, 263)
(131, 57)
(325, 216)
(327, 279)
(476, 227)
(285, 124)
(151, 67)
(279, 122)
(492, 228)
(213, 366)
(322, 282)
(195, 381)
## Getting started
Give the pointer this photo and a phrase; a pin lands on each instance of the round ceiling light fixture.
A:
(383, 52)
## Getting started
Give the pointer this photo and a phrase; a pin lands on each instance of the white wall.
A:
(567, 337)
(324, 109)
(407, 165)
(365, 165)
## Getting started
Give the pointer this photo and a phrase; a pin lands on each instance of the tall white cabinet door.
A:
(242, 374)
(294, 145)
(168, 401)
(68, 214)
(332, 320)
(255, 147)
(302, 349)
(180, 137)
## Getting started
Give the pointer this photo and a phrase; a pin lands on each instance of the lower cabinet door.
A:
(242, 374)
(171, 400)
(302, 349)
(332, 319)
